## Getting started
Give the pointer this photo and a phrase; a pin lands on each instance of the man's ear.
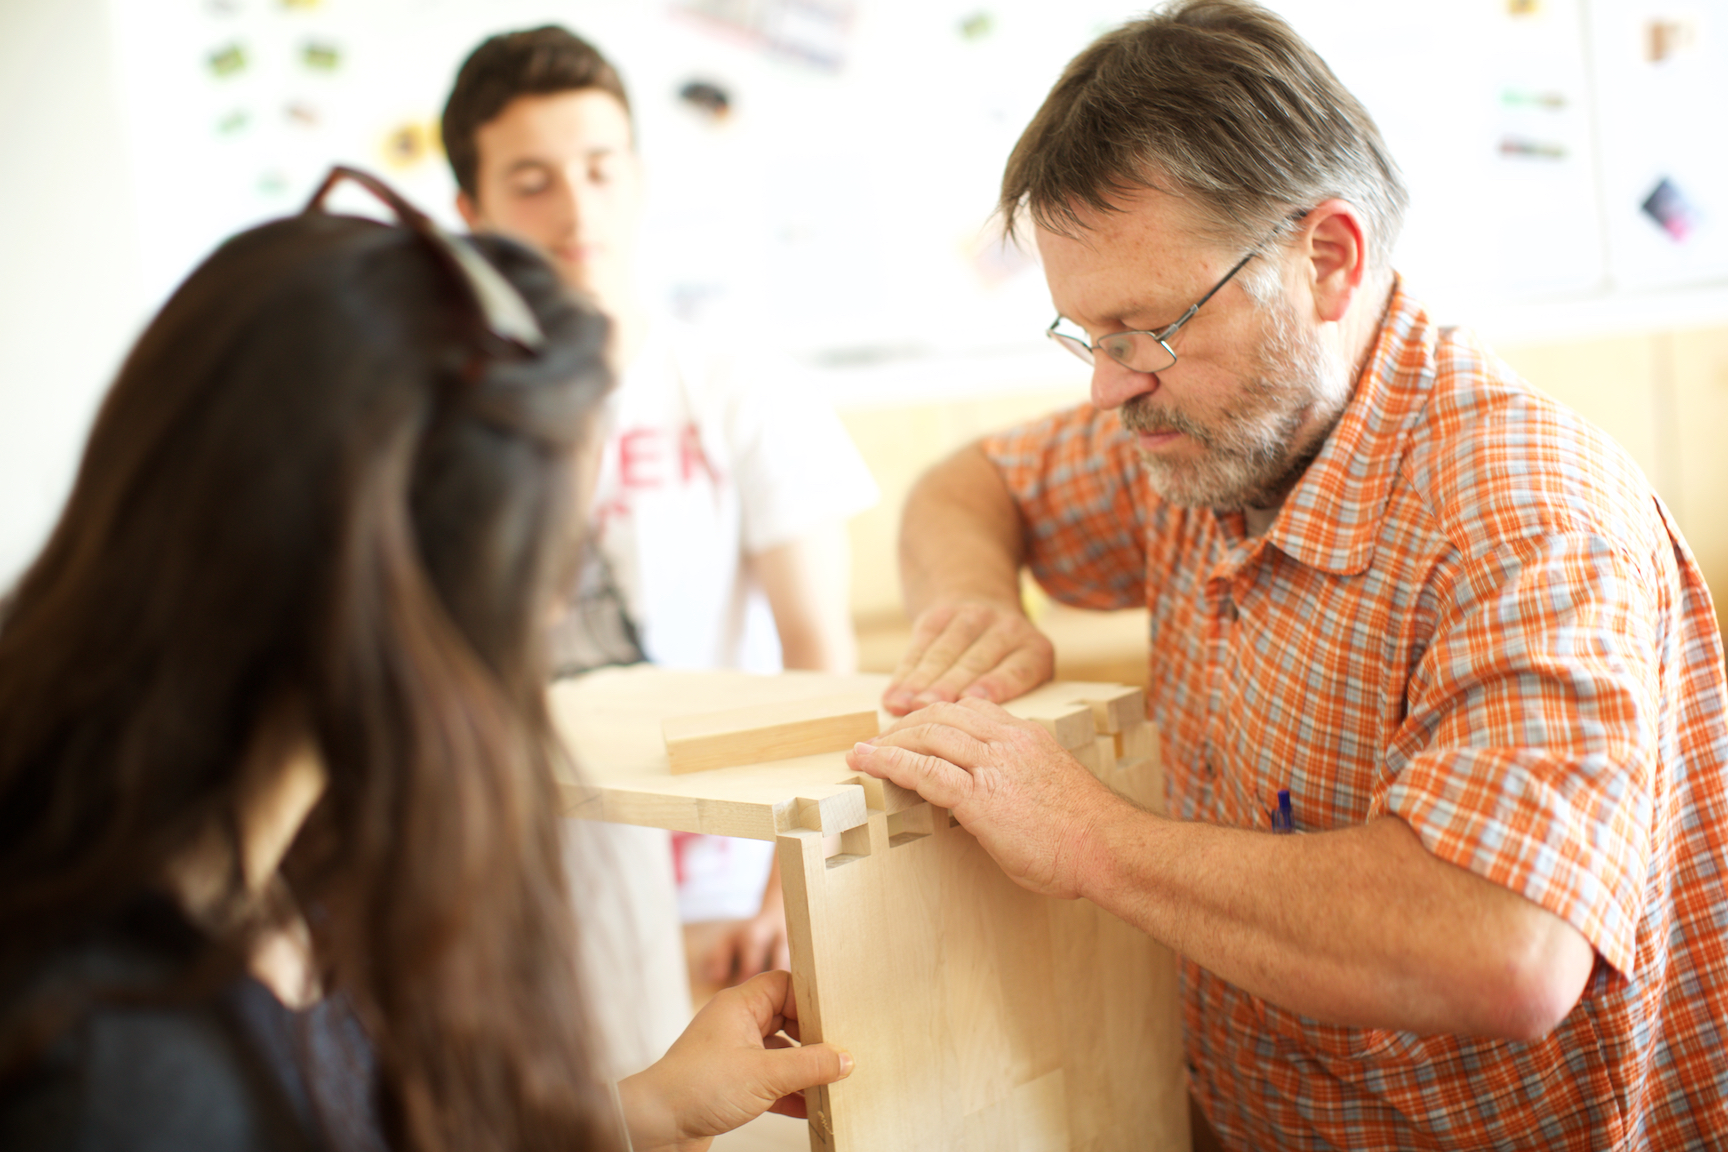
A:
(1334, 243)
(470, 211)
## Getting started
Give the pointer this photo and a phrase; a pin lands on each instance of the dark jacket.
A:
(135, 1067)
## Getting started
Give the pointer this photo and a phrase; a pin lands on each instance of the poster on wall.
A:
(822, 174)
(1662, 85)
(820, 170)
(233, 109)
(1485, 107)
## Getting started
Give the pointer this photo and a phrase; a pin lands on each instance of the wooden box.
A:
(981, 1017)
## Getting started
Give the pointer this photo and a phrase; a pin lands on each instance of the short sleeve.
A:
(794, 464)
(1076, 479)
(1529, 747)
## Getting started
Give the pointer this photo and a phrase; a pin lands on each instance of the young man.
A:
(723, 493)
(1446, 615)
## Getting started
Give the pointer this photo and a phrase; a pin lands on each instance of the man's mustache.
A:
(1146, 417)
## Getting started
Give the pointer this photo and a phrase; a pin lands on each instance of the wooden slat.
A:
(766, 732)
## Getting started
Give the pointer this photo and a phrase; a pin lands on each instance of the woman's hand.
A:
(730, 1066)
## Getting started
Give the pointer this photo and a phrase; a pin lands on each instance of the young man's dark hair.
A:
(535, 62)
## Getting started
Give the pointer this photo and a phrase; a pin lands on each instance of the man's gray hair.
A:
(1216, 101)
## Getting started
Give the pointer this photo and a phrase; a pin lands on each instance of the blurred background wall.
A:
(822, 174)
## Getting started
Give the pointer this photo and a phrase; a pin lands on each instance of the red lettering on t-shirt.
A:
(608, 510)
(691, 457)
(639, 452)
(680, 846)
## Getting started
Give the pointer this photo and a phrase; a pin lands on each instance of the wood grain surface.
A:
(981, 1017)
(760, 733)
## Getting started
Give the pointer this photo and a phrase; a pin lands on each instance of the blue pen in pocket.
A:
(1281, 819)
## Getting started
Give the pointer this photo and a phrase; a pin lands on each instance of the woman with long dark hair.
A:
(279, 857)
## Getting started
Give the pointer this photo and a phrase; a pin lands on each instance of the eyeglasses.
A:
(506, 314)
(1141, 351)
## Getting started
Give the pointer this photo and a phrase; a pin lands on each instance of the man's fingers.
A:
(1020, 671)
(983, 720)
(952, 646)
(950, 733)
(926, 630)
(935, 779)
(984, 655)
(718, 966)
(753, 957)
(1010, 659)
(938, 638)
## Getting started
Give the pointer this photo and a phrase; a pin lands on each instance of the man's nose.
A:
(1114, 384)
(586, 200)
(563, 206)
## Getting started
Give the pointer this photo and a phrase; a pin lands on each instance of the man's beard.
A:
(1252, 456)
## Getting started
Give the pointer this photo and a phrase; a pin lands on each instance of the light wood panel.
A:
(899, 442)
(1700, 360)
(764, 732)
(612, 721)
(981, 1016)
(769, 1132)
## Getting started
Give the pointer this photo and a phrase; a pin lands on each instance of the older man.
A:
(1445, 615)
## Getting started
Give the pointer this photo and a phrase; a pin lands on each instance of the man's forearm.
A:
(1360, 927)
(960, 535)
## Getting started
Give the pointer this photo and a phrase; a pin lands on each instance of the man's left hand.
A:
(1032, 805)
(758, 944)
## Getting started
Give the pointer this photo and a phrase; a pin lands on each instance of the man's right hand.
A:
(970, 648)
(961, 549)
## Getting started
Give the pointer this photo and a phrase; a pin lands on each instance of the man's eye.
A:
(603, 170)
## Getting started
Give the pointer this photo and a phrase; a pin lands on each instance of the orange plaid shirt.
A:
(1473, 613)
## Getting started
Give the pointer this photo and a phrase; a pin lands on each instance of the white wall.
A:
(844, 203)
(68, 272)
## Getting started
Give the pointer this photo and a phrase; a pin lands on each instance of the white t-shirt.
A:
(711, 458)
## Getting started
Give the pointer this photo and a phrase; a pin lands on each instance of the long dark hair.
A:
(299, 488)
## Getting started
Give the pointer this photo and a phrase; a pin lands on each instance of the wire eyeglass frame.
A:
(1150, 355)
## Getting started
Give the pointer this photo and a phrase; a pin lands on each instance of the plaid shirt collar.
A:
(1331, 519)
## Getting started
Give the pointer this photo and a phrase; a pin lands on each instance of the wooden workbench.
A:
(981, 1017)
